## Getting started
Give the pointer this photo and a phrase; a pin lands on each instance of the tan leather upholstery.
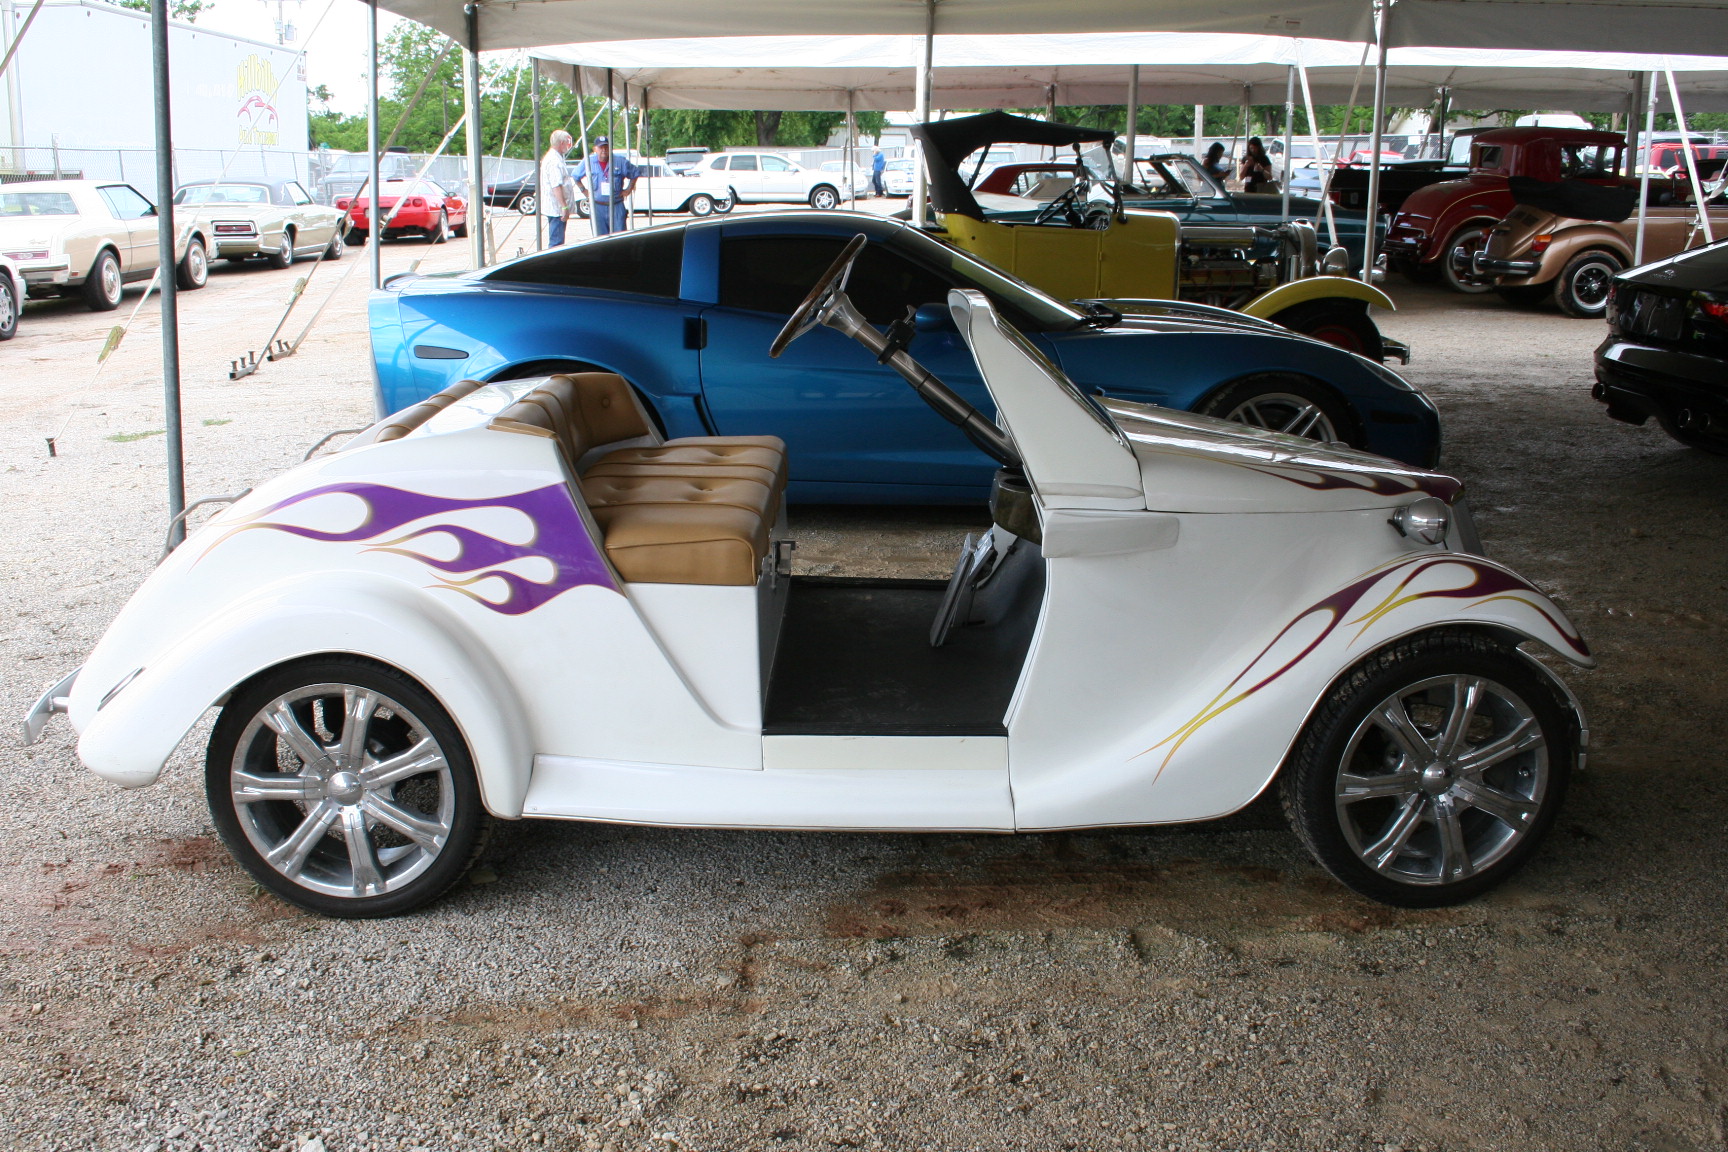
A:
(697, 510)
(410, 418)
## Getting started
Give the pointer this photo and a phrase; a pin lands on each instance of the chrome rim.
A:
(286, 252)
(1590, 285)
(336, 243)
(1442, 779)
(111, 279)
(342, 790)
(1285, 412)
(8, 306)
(826, 199)
(197, 267)
(701, 206)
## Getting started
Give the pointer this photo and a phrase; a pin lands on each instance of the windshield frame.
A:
(1046, 312)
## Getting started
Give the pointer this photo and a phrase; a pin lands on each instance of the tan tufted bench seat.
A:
(696, 510)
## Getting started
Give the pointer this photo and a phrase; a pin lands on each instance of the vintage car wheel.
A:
(824, 197)
(440, 230)
(8, 308)
(334, 250)
(1455, 259)
(1281, 402)
(193, 271)
(1581, 290)
(283, 256)
(342, 786)
(725, 204)
(1341, 322)
(102, 288)
(1523, 295)
(1430, 772)
(527, 204)
(701, 204)
(583, 209)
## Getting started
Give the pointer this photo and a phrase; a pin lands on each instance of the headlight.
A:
(1426, 520)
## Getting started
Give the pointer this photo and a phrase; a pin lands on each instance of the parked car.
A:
(519, 601)
(1670, 158)
(349, 174)
(1441, 226)
(681, 159)
(419, 204)
(276, 220)
(11, 297)
(1666, 354)
(682, 311)
(898, 177)
(520, 193)
(91, 238)
(666, 190)
(769, 178)
(1566, 242)
(844, 177)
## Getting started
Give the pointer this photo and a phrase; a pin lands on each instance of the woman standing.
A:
(1256, 170)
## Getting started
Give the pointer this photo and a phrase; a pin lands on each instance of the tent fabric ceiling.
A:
(878, 72)
(1671, 26)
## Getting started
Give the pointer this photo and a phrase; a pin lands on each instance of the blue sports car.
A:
(685, 312)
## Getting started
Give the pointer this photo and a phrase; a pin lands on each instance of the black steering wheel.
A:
(1064, 206)
(811, 312)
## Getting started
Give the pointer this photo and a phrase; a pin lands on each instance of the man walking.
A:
(607, 181)
(877, 164)
(557, 190)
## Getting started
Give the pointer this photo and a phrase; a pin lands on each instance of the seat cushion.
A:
(626, 466)
(683, 543)
(764, 452)
(637, 488)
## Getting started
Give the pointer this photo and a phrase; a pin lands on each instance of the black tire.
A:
(283, 256)
(1455, 270)
(527, 203)
(9, 306)
(193, 271)
(1384, 832)
(1283, 402)
(355, 236)
(824, 197)
(439, 804)
(1524, 295)
(460, 231)
(725, 204)
(1581, 289)
(700, 204)
(440, 230)
(103, 287)
(584, 210)
(1340, 321)
(334, 250)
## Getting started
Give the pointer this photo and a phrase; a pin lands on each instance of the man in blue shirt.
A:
(607, 181)
(877, 164)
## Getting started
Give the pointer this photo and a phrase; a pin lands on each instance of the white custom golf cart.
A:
(515, 601)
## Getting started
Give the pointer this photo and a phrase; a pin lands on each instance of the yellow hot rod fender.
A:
(1313, 288)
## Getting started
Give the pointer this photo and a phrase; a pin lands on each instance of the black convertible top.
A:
(948, 142)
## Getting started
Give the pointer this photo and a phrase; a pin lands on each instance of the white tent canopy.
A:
(879, 72)
(1671, 26)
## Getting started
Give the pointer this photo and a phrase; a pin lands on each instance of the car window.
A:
(775, 164)
(1488, 156)
(37, 204)
(223, 194)
(743, 163)
(296, 194)
(125, 202)
(774, 274)
(650, 263)
(1579, 161)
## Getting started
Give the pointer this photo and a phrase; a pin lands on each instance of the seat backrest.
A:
(606, 405)
(410, 418)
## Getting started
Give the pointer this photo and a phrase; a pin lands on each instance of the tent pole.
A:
(642, 147)
(1442, 114)
(852, 144)
(1372, 208)
(165, 270)
(539, 151)
(920, 180)
(374, 257)
(1633, 104)
(471, 97)
(1691, 157)
(1289, 134)
(1050, 113)
(1199, 127)
(1319, 162)
(1128, 171)
(1650, 99)
(611, 109)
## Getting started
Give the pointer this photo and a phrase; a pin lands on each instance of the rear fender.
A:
(128, 738)
(1316, 288)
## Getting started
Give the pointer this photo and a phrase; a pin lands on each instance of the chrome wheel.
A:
(1442, 779)
(1285, 412)
(1582, 290)
(8, 309)
(342, 791)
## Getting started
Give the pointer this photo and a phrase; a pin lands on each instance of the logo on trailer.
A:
(255, 86)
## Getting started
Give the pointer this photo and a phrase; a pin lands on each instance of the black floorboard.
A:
(855, 659)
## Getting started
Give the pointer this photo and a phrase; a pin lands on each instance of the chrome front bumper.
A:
(1481, 264)
(56, 700)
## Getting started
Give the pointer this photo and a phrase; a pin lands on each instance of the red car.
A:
(1438, 228)
(427, 209)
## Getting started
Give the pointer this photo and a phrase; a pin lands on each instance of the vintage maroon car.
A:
(426, 209)
(1440, 227)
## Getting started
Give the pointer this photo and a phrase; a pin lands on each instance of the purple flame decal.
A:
(559, 537)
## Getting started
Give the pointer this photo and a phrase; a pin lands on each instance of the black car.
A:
(1667, 349)
(518, 194)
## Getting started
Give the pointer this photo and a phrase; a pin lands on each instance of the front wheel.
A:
(334, 250)
(1455, 260)
(1581, 290)
(528, 204)
(1431, 771)
(1279, 402)
(701, 204)
(103, 286)
(1342, 322)
(342, 786)
(8, 308)
(824, 197)
(583, 208)
(725, 204)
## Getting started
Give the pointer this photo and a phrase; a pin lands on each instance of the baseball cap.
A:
(599, 140)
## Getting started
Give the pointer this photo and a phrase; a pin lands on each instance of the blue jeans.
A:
(609, 217)
(554, 231)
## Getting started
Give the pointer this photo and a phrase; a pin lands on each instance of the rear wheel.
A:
(583, 208)
(193, 271)
(344, 787)
(1431, 771)
(701, 204)
(283, 256)
(527, 204)
(1280, 402)
(8, 308)
(1581, 290)
(1455, 259)
(440, 230)
(1343, 322)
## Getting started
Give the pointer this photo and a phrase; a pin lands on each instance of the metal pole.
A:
(1289, 135)
(920, 181)
(374, 256)
(539, 204)
(1319, 161)
(1630, 163)
(1372, 208)
(1644, 177)
(471, 97)
(14, 97)
(1133, 116)
(1199, 127)
(1691, 157)
(165, 261)
(852, 144)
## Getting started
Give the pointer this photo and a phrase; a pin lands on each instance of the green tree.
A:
(187, 10)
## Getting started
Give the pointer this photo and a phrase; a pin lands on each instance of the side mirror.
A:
(933, 318)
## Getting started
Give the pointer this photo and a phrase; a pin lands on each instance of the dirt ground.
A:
(1200, 988)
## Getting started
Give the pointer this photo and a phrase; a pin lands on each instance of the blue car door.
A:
(846, 420)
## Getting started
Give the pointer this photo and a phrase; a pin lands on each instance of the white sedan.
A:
(769, 178)
(277, 220)
(668, 190)
(516, 601)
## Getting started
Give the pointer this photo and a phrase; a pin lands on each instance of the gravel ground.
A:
(599, 987)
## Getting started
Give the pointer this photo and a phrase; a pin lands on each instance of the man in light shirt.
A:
(557, 189)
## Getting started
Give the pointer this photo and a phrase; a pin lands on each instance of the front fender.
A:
(129, 738)
(1316, 288)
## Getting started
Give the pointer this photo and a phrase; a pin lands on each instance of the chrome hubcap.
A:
(111, 280)
(8, 306)
(1442, 779)
(342, 790)
(1284, 412)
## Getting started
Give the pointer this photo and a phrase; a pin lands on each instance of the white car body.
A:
(56, 249)
(897, 177)
(1200, 586)
(663, 189)
(258, 218)
(769, 178)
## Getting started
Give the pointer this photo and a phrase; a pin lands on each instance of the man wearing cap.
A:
(607, 181)
(557, 190)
